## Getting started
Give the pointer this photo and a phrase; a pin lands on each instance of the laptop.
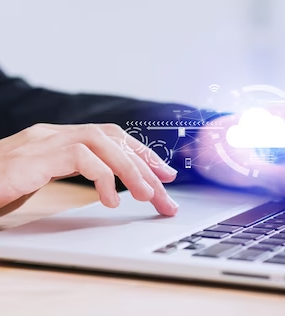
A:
(218, 235)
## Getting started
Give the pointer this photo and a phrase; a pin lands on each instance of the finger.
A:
(159, 167)
(80, 159)
(161, 200)
(108, 151)
(59, 163)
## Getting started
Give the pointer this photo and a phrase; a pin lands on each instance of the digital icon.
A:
(181, 132)
(235, 93)
(257, 128)
(214, 87)
(188, 163)
(168, 153)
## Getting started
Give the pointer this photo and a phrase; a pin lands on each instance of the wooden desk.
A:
(25, 291)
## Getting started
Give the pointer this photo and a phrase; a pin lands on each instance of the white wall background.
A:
(169, 50)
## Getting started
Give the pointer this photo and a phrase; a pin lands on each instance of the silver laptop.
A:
(217, 236)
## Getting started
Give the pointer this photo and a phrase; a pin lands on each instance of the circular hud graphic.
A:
(243, 101)
(158, 146)
(136, 132)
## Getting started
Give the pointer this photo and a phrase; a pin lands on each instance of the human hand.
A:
(44, 152)
(249, 171)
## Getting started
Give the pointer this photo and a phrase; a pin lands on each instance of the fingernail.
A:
(149, 188)
(170, 170)
(116, 199)
(174, 206)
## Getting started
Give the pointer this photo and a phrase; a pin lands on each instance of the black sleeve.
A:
(22, 105)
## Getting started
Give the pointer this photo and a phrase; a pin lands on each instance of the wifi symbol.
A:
(214, 87)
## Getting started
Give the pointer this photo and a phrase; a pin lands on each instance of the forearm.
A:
(22, 105)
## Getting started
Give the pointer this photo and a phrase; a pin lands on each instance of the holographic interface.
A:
(258, 136)
(183, 141)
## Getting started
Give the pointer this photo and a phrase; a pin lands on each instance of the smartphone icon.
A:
(188, 162)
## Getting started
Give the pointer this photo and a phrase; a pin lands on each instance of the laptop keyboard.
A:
(255, 235)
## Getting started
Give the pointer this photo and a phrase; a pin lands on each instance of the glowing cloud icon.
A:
(257, 128)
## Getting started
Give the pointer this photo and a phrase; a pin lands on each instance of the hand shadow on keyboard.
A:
(58, 225)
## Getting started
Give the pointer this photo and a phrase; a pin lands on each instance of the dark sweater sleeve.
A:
(22, 105)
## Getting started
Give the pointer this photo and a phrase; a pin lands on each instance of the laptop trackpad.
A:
(132, 226)
(196, 207)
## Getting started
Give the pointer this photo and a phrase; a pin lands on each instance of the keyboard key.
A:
(277, 226)
(282, 215)
(273, 241)
(238, 241)
(259, 231)
(224, 228)
(278, 219)
(174, 244)
(277, 259)
(248, 236)
(275, 221)
(249, 255)
(215, 235)
(265, 247)
(191, 239)
(256, 214)
(218, 250)
(178, 245)
(279, 236)
(269, 226)
(194, 247)
(166, 250)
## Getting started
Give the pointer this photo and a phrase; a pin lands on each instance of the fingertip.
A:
(165, 175)
(168, 212)
(110, 204)
(169, 170)
(165, 205)
(173, 212)
(167, 178)
(111, 200)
